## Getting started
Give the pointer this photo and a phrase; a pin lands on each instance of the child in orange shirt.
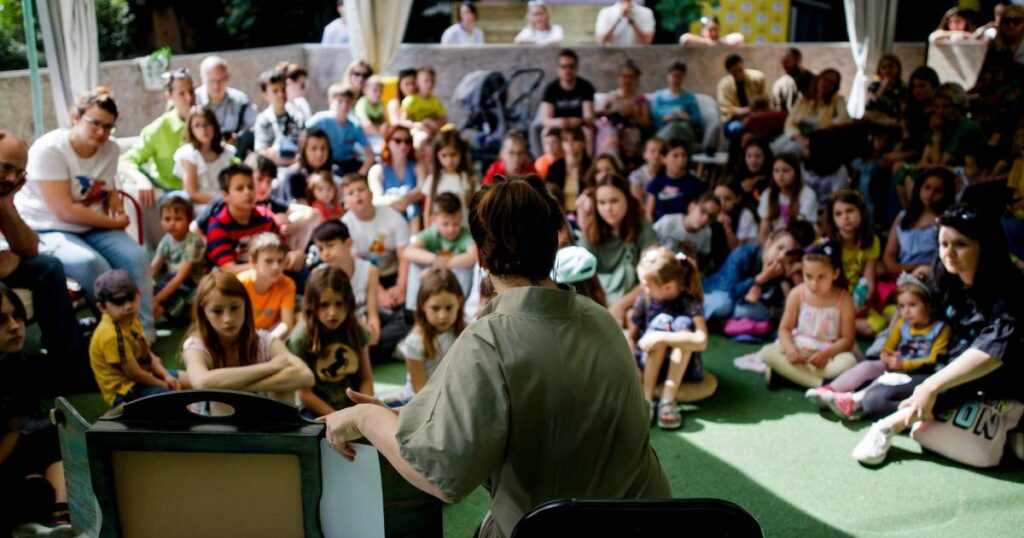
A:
(272, 292)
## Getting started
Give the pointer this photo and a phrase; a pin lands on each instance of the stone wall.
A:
(326, 65)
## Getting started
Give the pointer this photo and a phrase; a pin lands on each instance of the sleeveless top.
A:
(817, 327)
(360, 279)
(917, 245)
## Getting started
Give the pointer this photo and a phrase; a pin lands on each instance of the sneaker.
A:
(817, 395)
(871, 450)
(669, 417)
(842, 404)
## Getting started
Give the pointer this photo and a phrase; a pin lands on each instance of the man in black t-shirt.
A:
(569, 101)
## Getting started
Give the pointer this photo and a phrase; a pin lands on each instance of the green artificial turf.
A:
(785, 462)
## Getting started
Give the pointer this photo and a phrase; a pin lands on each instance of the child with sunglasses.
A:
(125, 367)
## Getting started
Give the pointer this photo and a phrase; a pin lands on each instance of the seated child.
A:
(446, 244)
(379, 236)
(668, 320)
(31, 470)
(272, 292)
(690, 232)
(736, 217)
(915, 343)
(452, 171)
(233, 226)
(642, 176)
(334, 245)
(345, 135)
(513, 160)
(552, 142)
(577, 267)
(332, 342)
(324, 192)
(816, 334)
(126, 369)
(369, 109)
(277, 127)
(439, 320)
(673, 190)
(225, 351)
(423, 109)
(177, 265)
(749, 285)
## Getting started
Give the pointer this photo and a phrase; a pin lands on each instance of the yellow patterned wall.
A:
(760, 21)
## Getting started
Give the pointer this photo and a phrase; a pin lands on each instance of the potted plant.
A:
(154, 66)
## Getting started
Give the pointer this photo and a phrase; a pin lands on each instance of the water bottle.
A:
(860, 293)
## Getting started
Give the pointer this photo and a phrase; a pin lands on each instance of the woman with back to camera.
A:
(497, 408)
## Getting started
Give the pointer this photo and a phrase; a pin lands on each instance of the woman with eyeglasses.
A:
(539, 30)
(153, 153)
(465, 32)
(710, 35)
(981, 293)
(72, 200)
(394, 179)
(356, 75)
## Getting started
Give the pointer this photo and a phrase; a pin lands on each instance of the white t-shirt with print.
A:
(51, 158)
(378, 239)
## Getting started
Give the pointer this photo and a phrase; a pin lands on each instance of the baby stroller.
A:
(492, 111)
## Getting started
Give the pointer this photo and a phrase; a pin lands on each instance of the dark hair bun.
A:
(515, 224)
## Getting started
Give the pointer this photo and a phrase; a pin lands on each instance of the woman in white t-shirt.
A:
(465, 32)
(201, 158)
(71, 200)
(539, 30)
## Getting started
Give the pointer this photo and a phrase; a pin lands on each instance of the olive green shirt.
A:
(537, 400)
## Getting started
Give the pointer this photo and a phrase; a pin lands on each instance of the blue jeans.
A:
(718, 305)
(44, 276)
(141, 391)
(87, 255)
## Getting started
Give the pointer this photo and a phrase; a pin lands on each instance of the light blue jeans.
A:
(718, 305)
(87, 255)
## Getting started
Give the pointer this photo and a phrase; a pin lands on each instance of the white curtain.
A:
(870, 25)
(72, 51)
(376, 28)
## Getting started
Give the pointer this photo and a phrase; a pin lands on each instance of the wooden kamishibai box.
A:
(155, 468)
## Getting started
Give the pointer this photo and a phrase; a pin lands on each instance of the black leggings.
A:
(883, 400)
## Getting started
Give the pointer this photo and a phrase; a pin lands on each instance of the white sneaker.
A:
(816, 396)
(871, 450)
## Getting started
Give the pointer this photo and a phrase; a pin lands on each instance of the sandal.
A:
(669, 417)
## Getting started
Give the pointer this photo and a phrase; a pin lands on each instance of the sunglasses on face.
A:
(360, 74)
(1011, 21)
(120, 299)
(407, 141)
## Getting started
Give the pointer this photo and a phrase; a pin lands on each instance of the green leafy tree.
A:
(677, 15)
(113, 22)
